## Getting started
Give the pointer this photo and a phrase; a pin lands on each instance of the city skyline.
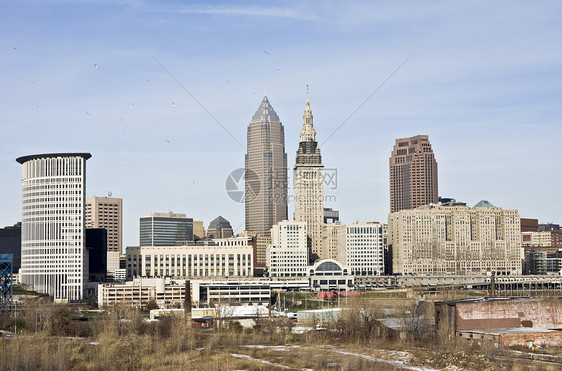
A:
(481, 79)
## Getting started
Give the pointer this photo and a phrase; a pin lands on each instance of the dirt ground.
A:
(329, 357)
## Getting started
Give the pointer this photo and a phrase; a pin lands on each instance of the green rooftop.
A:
(484, 203)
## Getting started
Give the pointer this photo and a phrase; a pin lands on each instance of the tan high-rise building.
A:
(266, 171)
(436, 240)
(413, 174)
(106, 212)
(308, 182)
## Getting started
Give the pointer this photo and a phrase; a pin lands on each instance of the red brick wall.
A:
(529, 225)
(546, 314)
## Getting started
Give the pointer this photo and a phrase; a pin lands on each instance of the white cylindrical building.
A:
(53, 236)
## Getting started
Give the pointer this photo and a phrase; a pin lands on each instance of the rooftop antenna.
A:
(265, 90)
(307, 89)
(109, 194)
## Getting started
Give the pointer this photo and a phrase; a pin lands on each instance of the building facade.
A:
(361, 248)
(207, 293)
(262, 242)
(96, 250)
(439, 240)
(219, 228)
(139, 292)
(545, 238)
(502, 321)
(536, 239)
(198, 230)
(288, 254)
(542, 262)
(266, 171)
(10, 243)
(529, 225)
(330, 275)
(331, 242)
(309, 185)
(222, 258)
(53, 256)
(413, 174)
(161, 229)
(107, 213)
(331, 216)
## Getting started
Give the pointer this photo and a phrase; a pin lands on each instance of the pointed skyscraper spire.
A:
(265, 112)
(308, 152)
(308, 134)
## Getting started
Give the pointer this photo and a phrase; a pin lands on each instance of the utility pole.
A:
(187, 300)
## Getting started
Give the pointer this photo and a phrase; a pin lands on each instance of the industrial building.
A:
(502, 321)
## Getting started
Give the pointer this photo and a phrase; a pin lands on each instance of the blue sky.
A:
(483, 81)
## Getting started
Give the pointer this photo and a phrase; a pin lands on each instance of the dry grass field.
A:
(47, 336)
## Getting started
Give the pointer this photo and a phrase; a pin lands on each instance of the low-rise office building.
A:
(221, 258)
(223, 292)
(139, 292)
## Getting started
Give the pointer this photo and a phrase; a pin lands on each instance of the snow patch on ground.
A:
(281, 348)
(400, 363)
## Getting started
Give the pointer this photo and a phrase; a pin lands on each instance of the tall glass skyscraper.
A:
(161, 229)
(266, 171)
(53, 235)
